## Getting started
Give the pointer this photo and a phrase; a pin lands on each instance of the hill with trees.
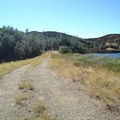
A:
(17, 45)
(108, 43)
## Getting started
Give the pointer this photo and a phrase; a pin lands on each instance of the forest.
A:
(18, 45)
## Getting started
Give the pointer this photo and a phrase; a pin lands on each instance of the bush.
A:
(64, 49)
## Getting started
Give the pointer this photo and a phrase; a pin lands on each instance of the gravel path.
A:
(64, 99)
(8, 87)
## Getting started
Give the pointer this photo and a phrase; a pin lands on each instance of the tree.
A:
(102, 46)
(1, 57)
(80, 48)
(35, 49)
(7, 46)
(26, 31)
(19, 51)
(54, 45)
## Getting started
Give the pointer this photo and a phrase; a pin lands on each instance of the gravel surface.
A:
(8, 87)
(64, 99)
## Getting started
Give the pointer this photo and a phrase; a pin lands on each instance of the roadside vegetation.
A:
(7, 67)
(100, 74)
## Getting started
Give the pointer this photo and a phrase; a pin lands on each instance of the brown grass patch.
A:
(39, 107)
(19, 97)
(103, 83)
(6, 68)
(26, 85)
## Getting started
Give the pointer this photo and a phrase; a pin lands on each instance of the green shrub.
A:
(64, 49)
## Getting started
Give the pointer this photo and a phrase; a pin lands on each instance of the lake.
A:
(111, 55)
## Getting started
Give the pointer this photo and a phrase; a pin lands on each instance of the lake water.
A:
(111, 55)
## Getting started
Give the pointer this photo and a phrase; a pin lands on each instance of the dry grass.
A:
(36, 61)
(19, 97)
(39, 107)
(45, 116)
(63, 68)
(103, 83)
(6, 68)
(26, 85)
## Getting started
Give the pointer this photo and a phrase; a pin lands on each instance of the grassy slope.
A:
(6, 68)
(100, 74)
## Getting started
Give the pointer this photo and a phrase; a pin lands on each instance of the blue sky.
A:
(84, 18)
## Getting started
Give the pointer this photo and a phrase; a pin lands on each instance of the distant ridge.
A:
(106, 43)
(105, 37)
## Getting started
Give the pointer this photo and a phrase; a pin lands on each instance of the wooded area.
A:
(17, 45)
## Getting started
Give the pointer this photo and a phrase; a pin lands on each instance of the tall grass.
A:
(100, 74)
(92, 60)
(6, 68)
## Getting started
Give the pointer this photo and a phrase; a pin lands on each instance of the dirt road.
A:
(63, 98)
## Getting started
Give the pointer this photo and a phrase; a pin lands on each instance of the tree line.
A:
(17, 45)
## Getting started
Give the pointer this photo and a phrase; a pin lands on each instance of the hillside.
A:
(107, 43)
(17, 45)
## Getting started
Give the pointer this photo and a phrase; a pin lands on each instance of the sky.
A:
(82, 18)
